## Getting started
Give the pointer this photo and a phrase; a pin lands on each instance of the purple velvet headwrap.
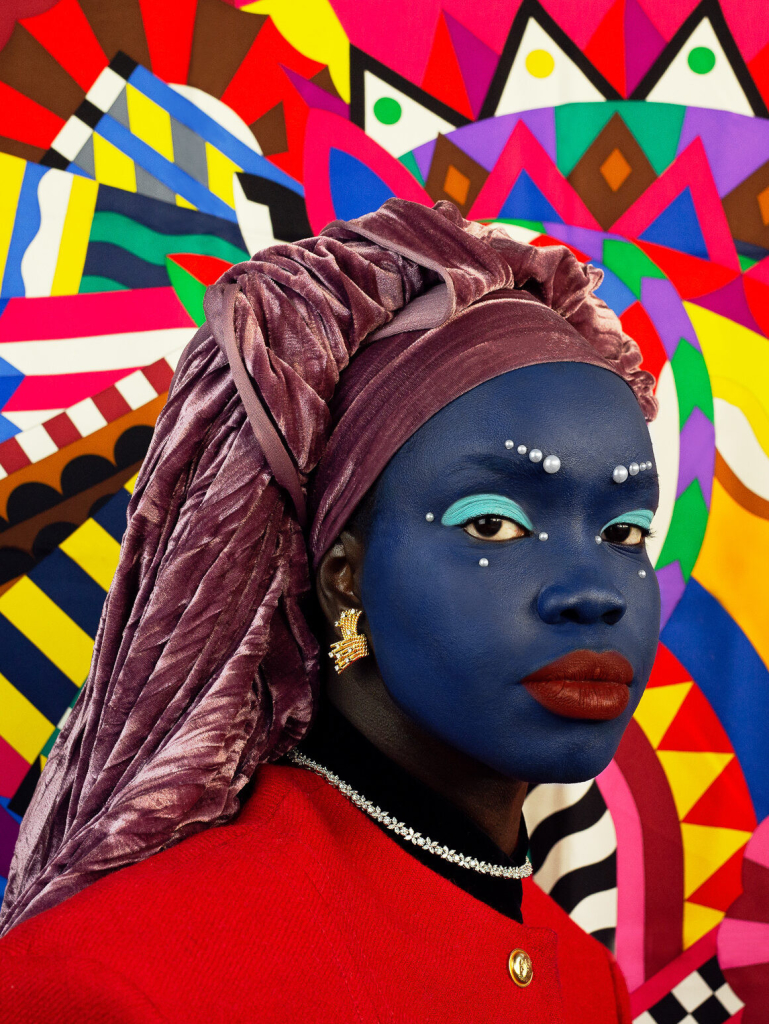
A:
(204, 665)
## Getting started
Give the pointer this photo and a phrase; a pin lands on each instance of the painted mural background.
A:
(147, 144)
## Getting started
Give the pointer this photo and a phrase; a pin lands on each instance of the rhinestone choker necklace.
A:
(400, 829)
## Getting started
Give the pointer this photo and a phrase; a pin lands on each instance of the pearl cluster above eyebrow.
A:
(621, 473)
(550, 463)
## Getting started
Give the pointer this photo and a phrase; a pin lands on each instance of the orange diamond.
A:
(615, 170)
(456, 185)
(763, 205)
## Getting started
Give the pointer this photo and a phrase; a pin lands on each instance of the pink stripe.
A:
(661, 983)
(630, 874)
(60, 391)
(758, 847)
(79, 316)
(742, 943)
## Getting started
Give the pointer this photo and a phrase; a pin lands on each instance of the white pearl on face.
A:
(619, 476)
(509, 445)
(522, 449)
(543, 536)
(633, 468)
(429, 517)
(535, 455)
(551, 464)
(483, 562)
(642, 573)
(599, 540)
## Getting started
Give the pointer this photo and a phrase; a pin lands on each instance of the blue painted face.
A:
(463, 598)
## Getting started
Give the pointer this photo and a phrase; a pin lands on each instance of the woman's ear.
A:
(338, 575)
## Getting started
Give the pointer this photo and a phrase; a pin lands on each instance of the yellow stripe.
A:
(11, 177)
(74, 237)
(150, 123)
(131, 484)
(23, 726)
(94, 550)
(184, 203)
(220, 172)
(42, 622)
(113, 167)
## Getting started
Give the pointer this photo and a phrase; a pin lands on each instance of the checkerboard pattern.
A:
(703, 997)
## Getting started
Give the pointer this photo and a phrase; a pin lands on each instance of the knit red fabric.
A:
(302, 909)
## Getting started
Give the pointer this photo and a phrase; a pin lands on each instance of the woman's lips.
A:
(583, 684)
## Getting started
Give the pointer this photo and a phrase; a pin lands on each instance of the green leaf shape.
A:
(687, 530)
(188, 290)
(692, 382)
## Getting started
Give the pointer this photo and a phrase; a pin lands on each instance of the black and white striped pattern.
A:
(573, 848)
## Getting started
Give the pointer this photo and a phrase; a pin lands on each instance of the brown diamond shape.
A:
(608, 195)
(454, 175)
(747, 209)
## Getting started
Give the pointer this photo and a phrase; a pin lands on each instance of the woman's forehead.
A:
(574, 405)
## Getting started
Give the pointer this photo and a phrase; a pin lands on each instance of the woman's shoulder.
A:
(264, 848)
(217, 903)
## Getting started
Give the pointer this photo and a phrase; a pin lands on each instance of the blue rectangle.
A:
(194, 118)
(112, 515)
(71, 588)
(28, 669)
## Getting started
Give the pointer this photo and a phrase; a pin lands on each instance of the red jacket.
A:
(302, 910)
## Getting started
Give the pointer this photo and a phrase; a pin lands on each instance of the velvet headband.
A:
(204, 665)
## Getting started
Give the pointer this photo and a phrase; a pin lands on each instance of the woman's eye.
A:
(625, 533)
(494, 528)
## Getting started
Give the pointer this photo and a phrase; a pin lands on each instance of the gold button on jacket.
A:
(520, 966)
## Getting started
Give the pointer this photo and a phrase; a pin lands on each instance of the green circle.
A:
(701, 60)
(387, 110)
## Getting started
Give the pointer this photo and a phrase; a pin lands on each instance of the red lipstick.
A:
(583, 684)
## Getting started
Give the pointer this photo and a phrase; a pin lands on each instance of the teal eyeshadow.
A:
(640, 517)
(476, 505)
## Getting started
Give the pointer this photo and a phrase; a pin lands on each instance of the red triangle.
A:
(759, 69)
(723, 887)
(696, 727)
(637, 323)
(667, 669)
(725, 804)
(205, 269)
(443, 77)
(690, 275)
(606, 49)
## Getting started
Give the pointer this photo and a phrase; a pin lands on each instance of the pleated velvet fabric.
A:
(204, 664)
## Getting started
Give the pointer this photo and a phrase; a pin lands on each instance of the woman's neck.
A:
(489, 799)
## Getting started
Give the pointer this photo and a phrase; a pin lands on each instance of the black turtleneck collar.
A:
(334, 743)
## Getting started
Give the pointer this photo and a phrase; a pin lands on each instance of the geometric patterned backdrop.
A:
(145, 145)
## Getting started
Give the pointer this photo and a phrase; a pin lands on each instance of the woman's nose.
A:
(586, 603)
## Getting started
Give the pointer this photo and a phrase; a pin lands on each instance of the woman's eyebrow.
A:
(498, 465)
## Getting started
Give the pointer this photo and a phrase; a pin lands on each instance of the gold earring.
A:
(353, 645)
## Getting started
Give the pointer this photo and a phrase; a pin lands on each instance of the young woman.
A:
(420, 447)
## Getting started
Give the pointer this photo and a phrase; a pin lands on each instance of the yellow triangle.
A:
(690, 773)
(705, 849)
(698, 921)
(659, 706)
